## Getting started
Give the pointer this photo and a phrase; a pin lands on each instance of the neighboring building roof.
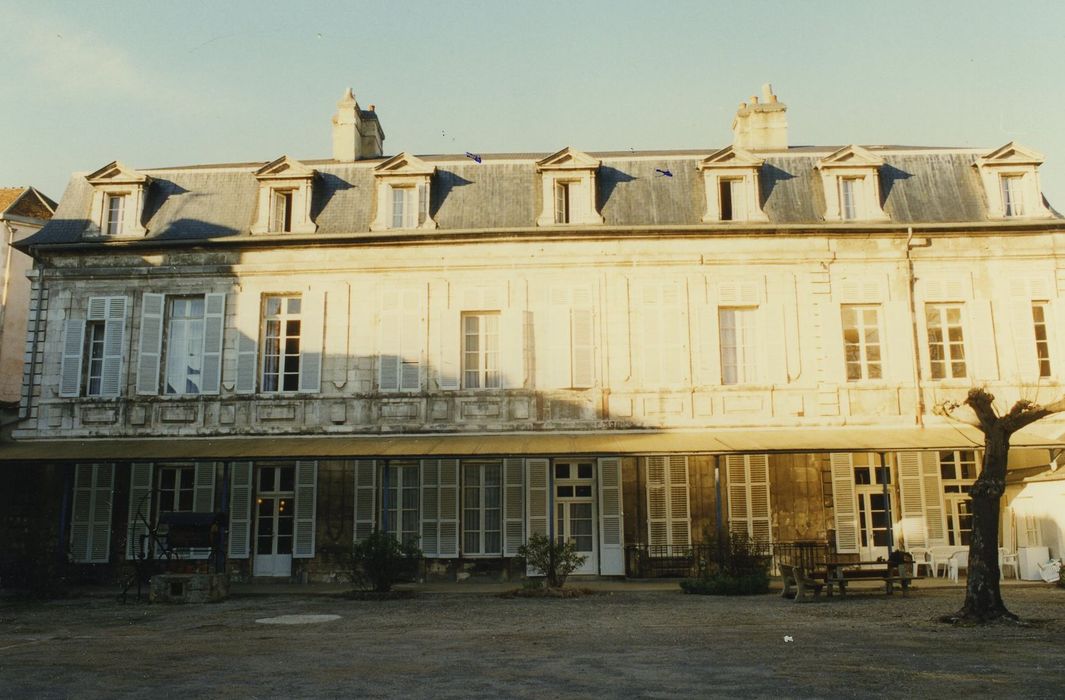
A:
(25, 201)
(918, 186)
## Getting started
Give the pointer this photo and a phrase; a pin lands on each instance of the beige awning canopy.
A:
(710, 441)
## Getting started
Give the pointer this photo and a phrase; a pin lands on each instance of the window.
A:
(281, 343)
(1012, 202)
(563, 202)
(737, 345)
(958, 470)
(403, 207)
(480, 350)
(946, 344)
(94, 352)
(849, 196)
(482, 514)
(281, 221)
(1042, 345)
(730, 194)
(184, 345)
(113, 215)
(400, 510)
(861, 342)
(177, 487)
(867, 470)
(567, 181)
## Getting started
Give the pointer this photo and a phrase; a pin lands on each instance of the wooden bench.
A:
(889, 575)
(797, 581)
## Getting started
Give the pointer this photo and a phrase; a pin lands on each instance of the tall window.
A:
(946, 342)
(94, 352)
(176, 489)
(400, 510)
(281, 221)
(184, 345)
(849, 191)
(403, 209)
(1042, 345)
(958, 469)
(861, 342)
(563, 202)
(1012, 205)
(482, 524)
(116, 203)
(737, 345)
(480, 350)
(730, 195)
(281, 343)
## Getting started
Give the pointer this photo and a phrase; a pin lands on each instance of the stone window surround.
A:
(284, 175)
(732, 163)
(569, 166)
(1012, 160)
(852, 163)
(116, 179)
(403, 171)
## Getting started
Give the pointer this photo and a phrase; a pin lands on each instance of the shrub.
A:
(740, 567)
(726, 584)
(557, 560)
(380, 561)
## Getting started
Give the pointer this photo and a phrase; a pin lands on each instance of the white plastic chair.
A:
(958, 560)
(1050, 571)
(923, 557)
(1007, 558)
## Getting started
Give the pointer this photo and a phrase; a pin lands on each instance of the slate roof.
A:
(25, 201)
(918, 186)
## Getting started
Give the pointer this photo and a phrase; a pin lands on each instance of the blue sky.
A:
(156, 84)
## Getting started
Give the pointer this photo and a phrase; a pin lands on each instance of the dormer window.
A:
(851, 181)
(403, 193)
(1010, 175)
(730, 181)
(567, 179)
(118, 201)
(285, 188)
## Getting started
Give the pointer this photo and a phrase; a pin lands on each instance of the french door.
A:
(575, 510)
(274, 510)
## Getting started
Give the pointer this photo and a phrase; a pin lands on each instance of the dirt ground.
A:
(619, 644)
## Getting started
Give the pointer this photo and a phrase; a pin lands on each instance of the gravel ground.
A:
(622, 644)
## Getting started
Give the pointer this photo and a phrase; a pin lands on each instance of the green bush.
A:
(726, 584)
(740, 566)
(557, 560)
(380, 561)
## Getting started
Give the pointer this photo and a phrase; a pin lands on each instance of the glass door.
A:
(575, 510)
(274, 513)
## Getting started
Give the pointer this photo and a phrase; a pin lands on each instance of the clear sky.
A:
(156, 84)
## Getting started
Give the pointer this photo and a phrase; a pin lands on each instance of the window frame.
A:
(1040, 326)
(1011, 190)
(850, 197)
(863, 362)
(168, 336)
(406, 471)
(483, 352)
(281, 209)
(956, 493)
(283, 318)
(113, 223)
(179, 490)
(92, 344)
(563, 207)
(746, 371)
(482, 509)
(947, 354)
(406, 196)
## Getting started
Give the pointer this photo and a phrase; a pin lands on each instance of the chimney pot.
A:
(754, 99)
(761, 129)
(373, 108)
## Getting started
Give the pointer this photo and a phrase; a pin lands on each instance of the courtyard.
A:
(624, 642)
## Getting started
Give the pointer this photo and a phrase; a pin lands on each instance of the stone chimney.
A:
(356, 132)
(761, 126)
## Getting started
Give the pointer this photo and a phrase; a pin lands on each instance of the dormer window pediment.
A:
(1010, 175)
(851, 181)
(285, 189)
(117, 201)
(567, 180)
(403, 193)
(731, 184)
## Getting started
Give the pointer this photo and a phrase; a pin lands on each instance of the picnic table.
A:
(839, 573)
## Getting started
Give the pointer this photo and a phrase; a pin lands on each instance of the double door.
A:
(274, 519)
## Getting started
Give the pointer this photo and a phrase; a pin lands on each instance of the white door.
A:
(873, 534)
(274, 511)
(575, 510)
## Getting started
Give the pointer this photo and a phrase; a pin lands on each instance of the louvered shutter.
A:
(90, 522)
(664, 335)
(911, 494)
(611, 530)
(844, 503)
(1022, 338)
(935, 521)
(401, 339)
(114, 344)
(202, 501)
(557, 341)
(657, 502)
(150, 348)
(448, 349)
(412, 332)
(538, 502)
(582, 348)
(306, 506)
(707, 355)
(423, 203)
(248, 318)
(449, 508)
(389, 347)
(140, 508)
(214, 322)
(758, 480)
(70, 368)
(365, 498)
(430, 541)
(312, 333)
(240, 487)
(980, 341)
(739, 508)
(513, 505)
(679, 508)
(774, 340)
(898, 353)
(512, 348)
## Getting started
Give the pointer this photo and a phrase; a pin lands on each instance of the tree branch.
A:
(982, 404)
(948, 409)
(1024, 413)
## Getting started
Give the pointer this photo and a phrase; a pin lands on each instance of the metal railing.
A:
(681, 561)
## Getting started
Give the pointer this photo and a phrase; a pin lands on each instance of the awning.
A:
(644, 442)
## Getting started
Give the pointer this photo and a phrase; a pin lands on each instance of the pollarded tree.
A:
(983, 596)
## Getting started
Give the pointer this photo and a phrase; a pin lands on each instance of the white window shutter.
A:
(761, 511)
(448, 349)
(898, 359)
(538, 501)
(774, 339)
(513, 505)
(240, 518)
(557, 363)
(706, 343)
(611, 519)
(412, 340)
(73, 349)
(512, 347)
(114, 345)
(312, 334)
(911, 494)
(582, 348)
(979, 335)
(214, 325)
(844, 502)
(652, 336)
(935, 520)
(739, 507)
(449, 508)
(430, 541)
(1022, 337)
(365, 498)
(680, 533)
(306, 506)
(150, 348)
(203, 494)
(657, 502)
(248, 320)
(389, 347)
(81, 513)
(140, 508)
(100, 526)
